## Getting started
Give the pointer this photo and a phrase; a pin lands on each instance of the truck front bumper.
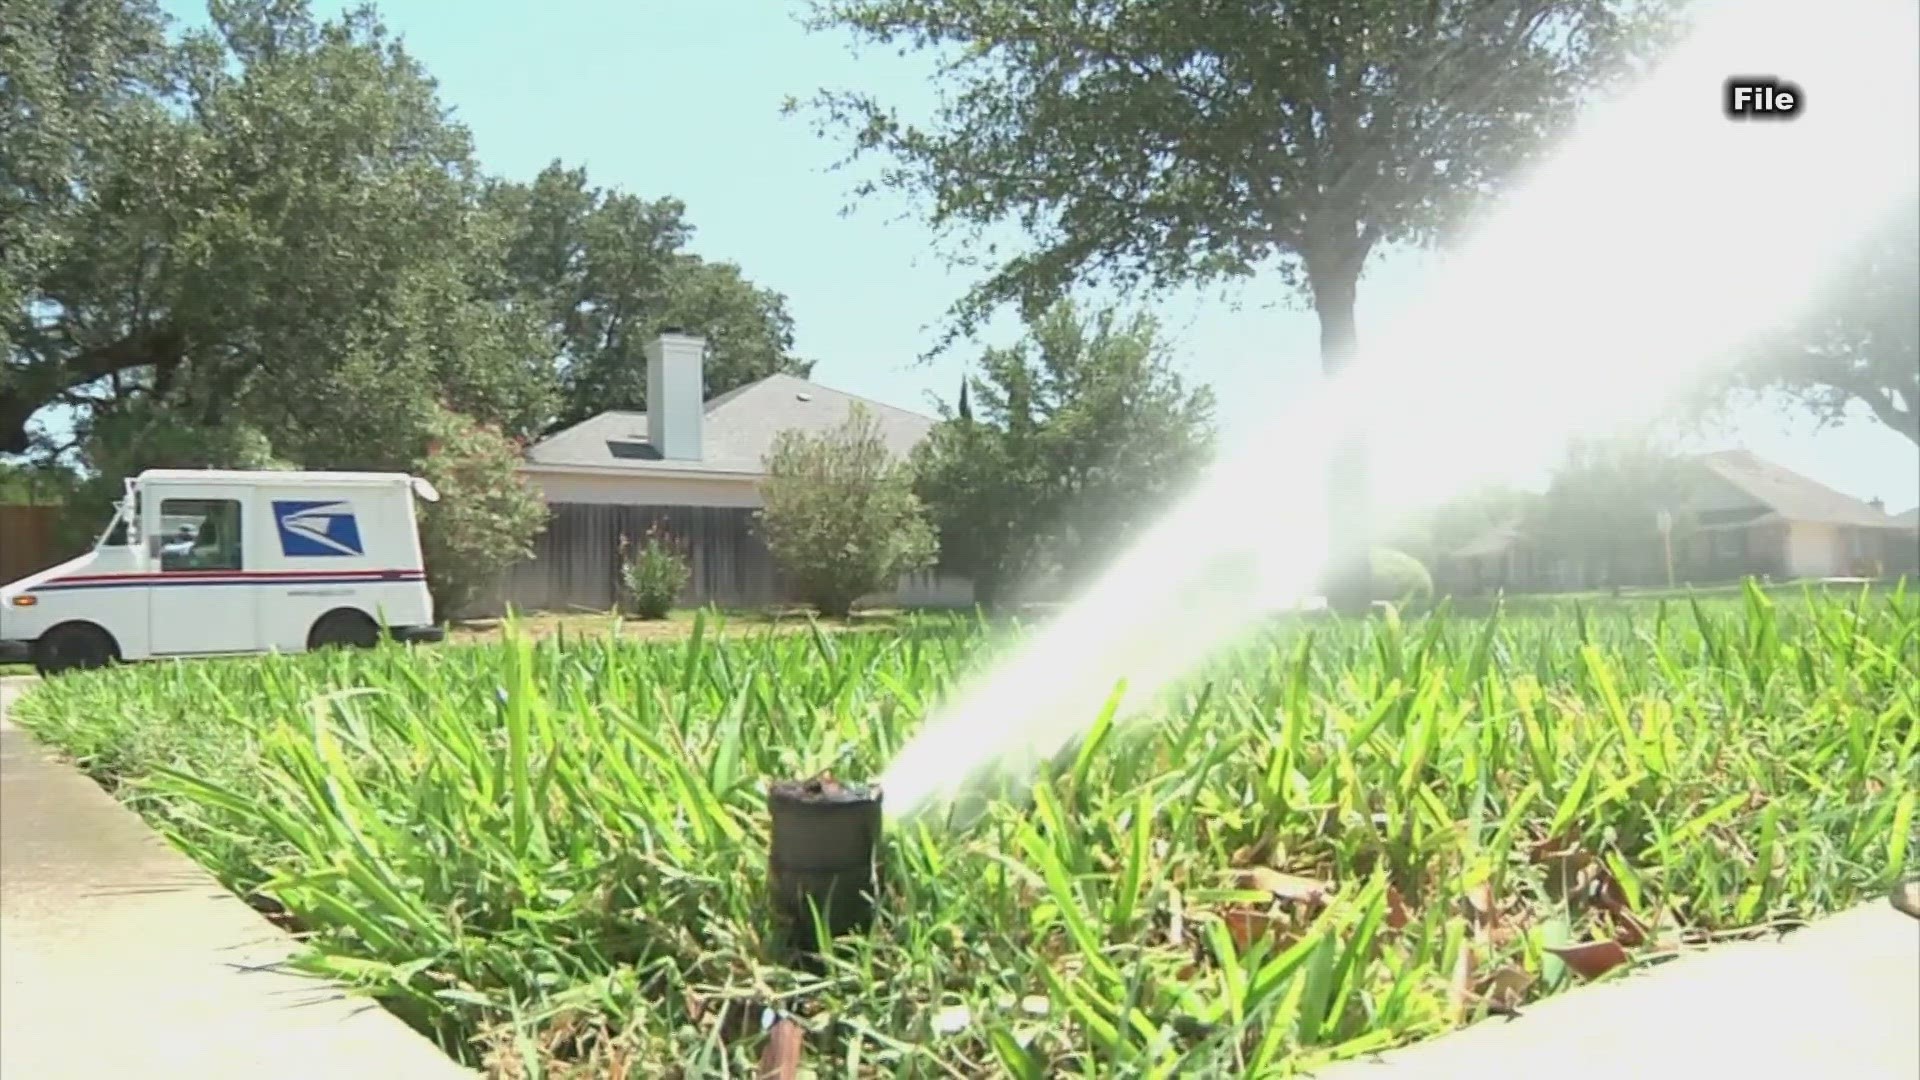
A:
(16, 652)
(417, 633)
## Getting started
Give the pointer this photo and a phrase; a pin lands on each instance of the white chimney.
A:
(675, 404)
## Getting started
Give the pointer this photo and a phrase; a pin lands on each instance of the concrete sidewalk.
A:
(120, 957)
(1836, 1000)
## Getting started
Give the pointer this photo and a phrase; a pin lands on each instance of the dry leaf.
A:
(1246, 926)
(1292, 888)
(1564, 861)
(1480, 902)
(1460, 991)
(1504, 988)
(1628, 929)
(1591, 959)
(781, 1059)
(1253, 854)
(1397, 916)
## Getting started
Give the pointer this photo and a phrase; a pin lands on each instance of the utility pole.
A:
(1664, 520)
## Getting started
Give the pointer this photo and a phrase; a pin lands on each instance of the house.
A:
(1745, 517)
(1904, 556)
(1751, 517)
(693, 468)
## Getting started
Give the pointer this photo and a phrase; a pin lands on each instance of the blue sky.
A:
(683, 98)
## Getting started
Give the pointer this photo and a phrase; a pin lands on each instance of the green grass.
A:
(549, 854)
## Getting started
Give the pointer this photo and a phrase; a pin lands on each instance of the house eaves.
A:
(630, 472)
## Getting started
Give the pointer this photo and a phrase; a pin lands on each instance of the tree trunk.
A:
(1349, 519)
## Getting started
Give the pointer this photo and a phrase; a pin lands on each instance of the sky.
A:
(683, 98)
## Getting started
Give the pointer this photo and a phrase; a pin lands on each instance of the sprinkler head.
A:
(825, 834)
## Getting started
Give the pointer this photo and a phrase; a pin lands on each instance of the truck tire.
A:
(74, 647)
(343, 628)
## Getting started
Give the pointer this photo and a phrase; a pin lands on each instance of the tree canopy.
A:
(1062, 448)
(273, 221)
(1160, 142)
(264, 243)
(602, 272)
(1602, 506)
(839, 514)
(1861, 341)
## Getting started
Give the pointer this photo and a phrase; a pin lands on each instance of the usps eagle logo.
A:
(322, 529)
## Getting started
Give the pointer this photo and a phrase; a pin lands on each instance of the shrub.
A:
(653, 574)
(1400, 578)
(840, 516)
(486, 518)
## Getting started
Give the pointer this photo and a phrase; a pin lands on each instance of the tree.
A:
(1080, 434)
(1862, 341)
(603, 272)
(1159, 142)
(839, 514)
(1464, 518)
(1602, 506)
(271, 220)
(33, 483)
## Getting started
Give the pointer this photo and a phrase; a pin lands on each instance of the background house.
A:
(693, 467)
(1745, 517)
(1903, 556)
(1752, 517)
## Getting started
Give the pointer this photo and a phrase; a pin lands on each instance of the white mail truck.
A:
(205, 562)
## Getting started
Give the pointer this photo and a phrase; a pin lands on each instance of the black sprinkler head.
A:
(825, 836)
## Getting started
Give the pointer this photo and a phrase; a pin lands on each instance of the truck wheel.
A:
(73, 647)
(344, 629)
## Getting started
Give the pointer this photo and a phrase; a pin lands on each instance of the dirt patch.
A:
(678, 625)
(822, 789)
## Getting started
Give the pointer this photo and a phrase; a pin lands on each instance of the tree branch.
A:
(39, 385)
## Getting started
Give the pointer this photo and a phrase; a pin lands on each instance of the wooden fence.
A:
(576, 562)
(29, 540)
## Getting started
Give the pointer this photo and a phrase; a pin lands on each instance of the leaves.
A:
(272, 233)
(1857, 345)
(1076, 437)
(1154, 145)
(786, 1041)
(1591, 959)
(839, 514)
(603, 272)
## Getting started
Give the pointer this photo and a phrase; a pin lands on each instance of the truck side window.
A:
(201, 534)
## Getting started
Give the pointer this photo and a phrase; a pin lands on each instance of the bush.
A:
(486, 518)
(653, 575)
(840, 516)
(1400, 578)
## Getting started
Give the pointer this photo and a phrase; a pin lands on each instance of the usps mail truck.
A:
(199, 563)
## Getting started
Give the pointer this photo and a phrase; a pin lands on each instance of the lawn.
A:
(1341, 837)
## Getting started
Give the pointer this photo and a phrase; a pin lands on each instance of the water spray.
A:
(1662, 237)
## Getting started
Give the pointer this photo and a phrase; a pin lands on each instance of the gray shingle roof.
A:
(1789, 495)
(738, 429)
(1908, 520)
(1494, 541)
